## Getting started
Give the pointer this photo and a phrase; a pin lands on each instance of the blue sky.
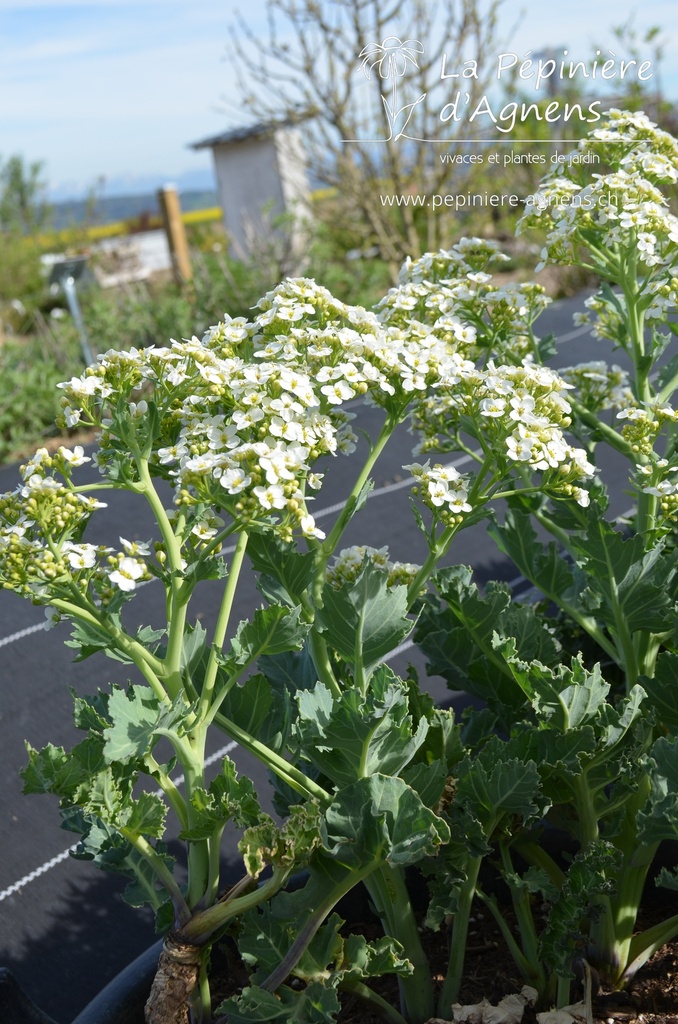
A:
(108, 88)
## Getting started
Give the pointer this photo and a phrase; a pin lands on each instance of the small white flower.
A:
(126, 575)
(80, 556)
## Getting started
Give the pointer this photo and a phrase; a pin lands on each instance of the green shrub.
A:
(30, 367)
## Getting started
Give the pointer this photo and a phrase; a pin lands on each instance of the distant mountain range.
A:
(109, 209)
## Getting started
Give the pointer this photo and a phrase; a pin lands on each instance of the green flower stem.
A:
(536, 855)
(458, 939)
(528, 965)
(392, 902)
(668, 389)
(329, 545)
(306, 930)
(604, 430)
(520, 898)
(221, 627)
(295, 778)
(205, 923)
(177, 607)
(323, 665)
(372, 998)
(436, 552)
(150, 666)
(174, 797)
(644, 944)
(161, 871)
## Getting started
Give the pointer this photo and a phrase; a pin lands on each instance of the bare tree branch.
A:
(372, 129)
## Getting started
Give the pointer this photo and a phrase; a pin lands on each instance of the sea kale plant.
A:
(228, 439)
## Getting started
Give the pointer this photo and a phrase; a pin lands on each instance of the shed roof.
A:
(241, 134)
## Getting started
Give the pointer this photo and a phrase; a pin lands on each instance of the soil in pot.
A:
(491, 973)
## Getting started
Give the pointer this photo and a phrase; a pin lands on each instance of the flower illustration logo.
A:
(390, 59)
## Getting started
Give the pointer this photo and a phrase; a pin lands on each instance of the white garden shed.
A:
(261, 175)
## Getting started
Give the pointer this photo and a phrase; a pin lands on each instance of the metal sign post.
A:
(65, 273)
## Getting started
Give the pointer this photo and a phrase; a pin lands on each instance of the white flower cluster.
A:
(516, 412)
(38, 519)
(442, 489)
(644, 422)
(348, 564)
(599, 386)
(619, 212)
(447, 294)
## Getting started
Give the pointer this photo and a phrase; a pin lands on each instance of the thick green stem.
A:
(392, 902)
(161, 871)
(644, 944)
(174, 797)
(282, 768)
(608, 433)
(198, 850)
(520, 898)
(623, 636)
(206, 922)
(530, 969)
(221, 627)
(323, 665)
(373, 999)
(329, 545)
(151, 667)
(308, 929)
(458, 939)
(436, 552)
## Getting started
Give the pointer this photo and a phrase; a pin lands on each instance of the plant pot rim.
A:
(122, 1001)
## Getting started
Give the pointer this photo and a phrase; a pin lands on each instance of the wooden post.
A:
(176, 233)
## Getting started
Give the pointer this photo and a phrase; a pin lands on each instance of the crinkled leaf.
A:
(363, 959)
(667, 879)
(51, 770)
(228, 798)
(637, 585)
(457, 636)
(565, 697)
(271, 631)
(272, 557)
(543, 566)
(145, 816)
(249, 705)
(492, 785)
(87, 640)
(444, 739)
(381, 818)
(318, 1003)
(145, 889)
(356, 735)
(660, 818)
(428, 780)
(287, 847)
(661, 689)
(291, 670)
(365, 616)
(136, 716)
(91, 711)
(590, 875)
(194, 650)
